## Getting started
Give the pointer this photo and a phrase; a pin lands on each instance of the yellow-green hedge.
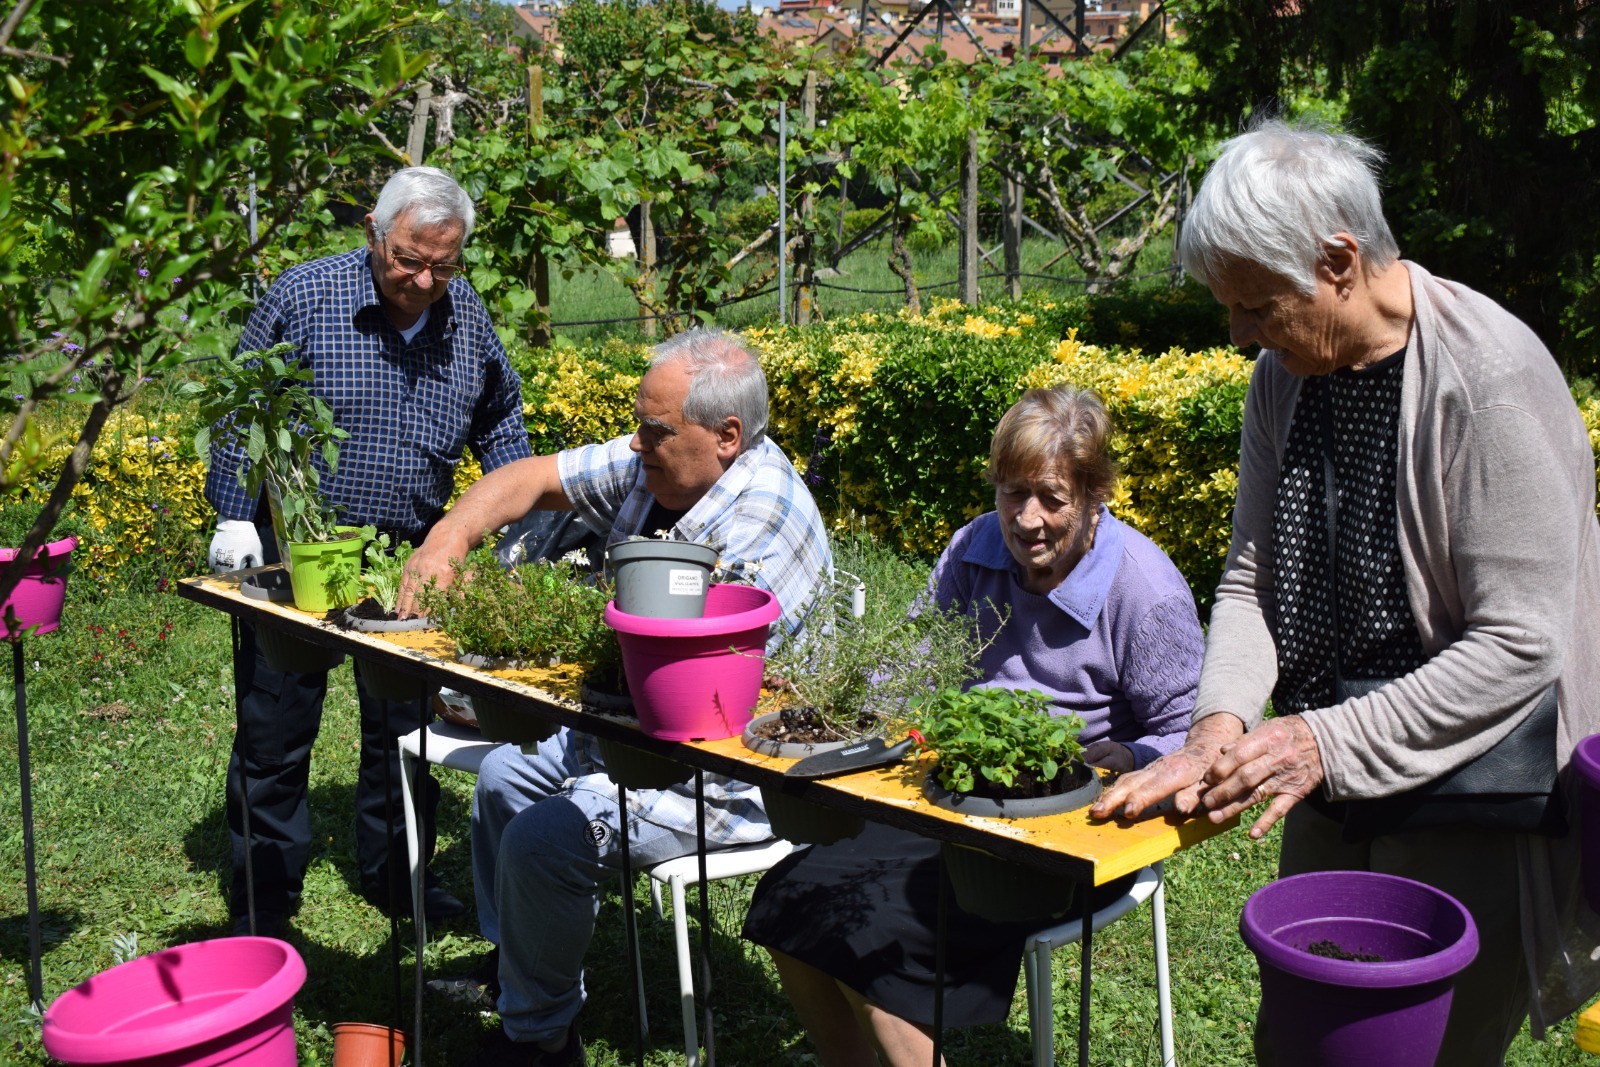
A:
(889, 417)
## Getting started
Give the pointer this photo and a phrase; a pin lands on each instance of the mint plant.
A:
(995, 733)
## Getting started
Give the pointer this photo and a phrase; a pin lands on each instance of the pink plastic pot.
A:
(1586, 758)
(228, 1001)
(38, 598)
(697, 679)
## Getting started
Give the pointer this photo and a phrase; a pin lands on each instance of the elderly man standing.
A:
(404, 352)
(545, 825)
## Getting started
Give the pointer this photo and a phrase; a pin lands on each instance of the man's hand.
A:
(1278, 762)
(235, 546)
(1180, 775)
(430, 563)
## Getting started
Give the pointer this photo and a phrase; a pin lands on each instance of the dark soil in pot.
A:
(1332, 950)
(368, 609)
(806, 726)
(1029, 786)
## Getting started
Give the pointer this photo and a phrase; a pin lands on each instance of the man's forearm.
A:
(502, 496)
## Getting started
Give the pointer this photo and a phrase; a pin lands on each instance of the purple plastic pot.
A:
(1321, 1012)
(1586, 757)
(697, 679)
(211, 1003)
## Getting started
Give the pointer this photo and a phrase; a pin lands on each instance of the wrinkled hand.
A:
(1277, 762)
(430, 563)
(1179, 775)
(1112, 755)
(236, 546)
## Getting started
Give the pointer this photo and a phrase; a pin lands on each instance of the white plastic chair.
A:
(676, 875)
(1148, 885)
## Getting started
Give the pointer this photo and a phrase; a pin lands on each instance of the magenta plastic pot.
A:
(40, 595)
(1586, 757)
(1329, 1012)
(697, 679)
(228, 1001)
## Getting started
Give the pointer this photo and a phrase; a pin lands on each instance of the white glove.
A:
(235, 546)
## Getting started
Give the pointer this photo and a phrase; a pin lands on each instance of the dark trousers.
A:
(279, 714)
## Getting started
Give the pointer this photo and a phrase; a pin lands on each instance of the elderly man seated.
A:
(545, 823)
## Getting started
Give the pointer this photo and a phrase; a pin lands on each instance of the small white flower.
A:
(578, 556)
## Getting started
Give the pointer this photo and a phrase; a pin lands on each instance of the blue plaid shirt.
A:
(410, 409)
(760, 518)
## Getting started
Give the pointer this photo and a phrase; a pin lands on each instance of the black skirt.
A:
(865, 912)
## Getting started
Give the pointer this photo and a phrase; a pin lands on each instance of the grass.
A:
(130, 720)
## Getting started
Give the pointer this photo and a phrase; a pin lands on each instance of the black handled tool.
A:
(857, 756)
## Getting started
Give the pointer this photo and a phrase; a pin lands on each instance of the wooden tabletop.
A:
(1071, 844)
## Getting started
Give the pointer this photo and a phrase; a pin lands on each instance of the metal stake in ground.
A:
(35, 950)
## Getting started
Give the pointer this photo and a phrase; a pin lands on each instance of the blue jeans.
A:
(544, 839)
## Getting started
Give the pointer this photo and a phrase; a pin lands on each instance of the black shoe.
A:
(479, 988)
(395, 901)
(498, 1050)
(268, 924)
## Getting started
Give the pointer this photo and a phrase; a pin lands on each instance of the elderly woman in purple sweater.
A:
(1099, 619)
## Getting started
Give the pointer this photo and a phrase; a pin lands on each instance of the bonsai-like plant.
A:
(541, 611)
(857, 675)
(998, 742)
(264, 401)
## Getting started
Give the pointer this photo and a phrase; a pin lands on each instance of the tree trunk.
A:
(967, 258)
(900, 263)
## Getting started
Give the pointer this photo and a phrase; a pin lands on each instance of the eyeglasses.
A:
(651, 434)
(411, 265)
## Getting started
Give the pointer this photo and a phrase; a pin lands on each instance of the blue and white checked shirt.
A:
(410, 409)
(758, 512)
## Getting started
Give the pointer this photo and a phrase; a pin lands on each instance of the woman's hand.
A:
(1179, 775)
(1277, 762)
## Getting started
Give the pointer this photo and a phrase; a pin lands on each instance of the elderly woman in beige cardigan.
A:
(1467, 567)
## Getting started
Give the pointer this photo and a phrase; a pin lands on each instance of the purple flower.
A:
(177, 281)
(57, 333)
(74, 377)
(143, 273)
(72, 390)
(183, 318)
(70, 347)
(20, 396)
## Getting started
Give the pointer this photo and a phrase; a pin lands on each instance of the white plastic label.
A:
(686, 583)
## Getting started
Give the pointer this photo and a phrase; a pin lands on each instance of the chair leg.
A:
(680, 929)
(1041, 998)
(408, 775)
(1158, 924)
(655, 897)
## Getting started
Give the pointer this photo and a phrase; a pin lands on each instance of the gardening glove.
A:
(235, 546)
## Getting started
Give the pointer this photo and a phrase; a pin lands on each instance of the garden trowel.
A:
(857, 756)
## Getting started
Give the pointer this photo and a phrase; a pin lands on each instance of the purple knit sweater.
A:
(1118, 641)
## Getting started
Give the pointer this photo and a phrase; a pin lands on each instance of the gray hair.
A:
(725, 380)
(1275, 197)
(429, 195)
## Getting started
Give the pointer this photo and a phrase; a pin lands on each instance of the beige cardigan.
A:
(1496, 509)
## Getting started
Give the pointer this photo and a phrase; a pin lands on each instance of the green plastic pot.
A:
(309, 567)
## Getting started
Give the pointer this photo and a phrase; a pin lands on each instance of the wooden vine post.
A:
(539, 264)
(803, 253)
(967, 268)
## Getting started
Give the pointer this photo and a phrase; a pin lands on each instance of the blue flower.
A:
(143, 273)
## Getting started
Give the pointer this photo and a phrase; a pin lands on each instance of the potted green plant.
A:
(375, 613)
(542, 614)
(1003, 753)
(850, 675)
(264, 401)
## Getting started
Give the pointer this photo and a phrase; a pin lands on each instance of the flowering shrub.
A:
(572, 397)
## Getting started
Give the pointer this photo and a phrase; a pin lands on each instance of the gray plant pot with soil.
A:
(635, 768)
(380, 676)
(279, 648)
(1004, 890)
(793, 818)
(500, 720)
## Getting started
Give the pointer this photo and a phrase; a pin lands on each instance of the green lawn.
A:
(130, 725)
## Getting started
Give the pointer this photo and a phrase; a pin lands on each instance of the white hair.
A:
(1276, 197)
(725, 380)
(429, 196)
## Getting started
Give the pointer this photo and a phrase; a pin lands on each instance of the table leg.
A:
(244, 792)
(31, 875)
(941, 930)
(389, 872)
(630, 925)
(709, 1026)
(1086, 951)
(420, 917)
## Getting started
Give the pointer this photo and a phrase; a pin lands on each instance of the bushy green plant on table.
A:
(994, 733)
(541, 611)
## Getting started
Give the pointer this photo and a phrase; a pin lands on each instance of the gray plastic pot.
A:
(381, 677)
(661, 579)
(279, 648)
(635, 768)
(793, 818)
(1004, 890)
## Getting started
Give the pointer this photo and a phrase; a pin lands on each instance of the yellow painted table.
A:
(1072, 845)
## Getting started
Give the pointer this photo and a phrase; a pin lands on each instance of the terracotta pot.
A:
(367, 1045)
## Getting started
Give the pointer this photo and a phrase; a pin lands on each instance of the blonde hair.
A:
(1059, 431)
